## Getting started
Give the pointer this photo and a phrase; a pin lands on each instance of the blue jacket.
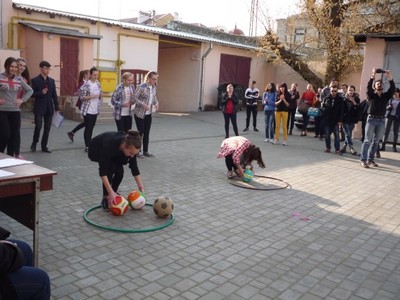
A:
(268, 100)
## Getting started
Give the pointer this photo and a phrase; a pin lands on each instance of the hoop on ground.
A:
(129, 215)
(260, 182)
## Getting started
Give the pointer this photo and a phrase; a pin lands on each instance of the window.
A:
(299, 35)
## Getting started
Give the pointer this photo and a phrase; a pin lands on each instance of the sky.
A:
(211, 13)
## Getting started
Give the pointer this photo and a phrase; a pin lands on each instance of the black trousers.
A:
(233, 118)
(124, 124)
(115, 175)
(143, 126)
(251, 110)
(90, 122)
(290, 120)
(229, 162)
(10, 126)
(39, 120)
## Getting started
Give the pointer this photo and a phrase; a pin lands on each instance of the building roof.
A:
(140, 27)
(362, 38)
(60, 31)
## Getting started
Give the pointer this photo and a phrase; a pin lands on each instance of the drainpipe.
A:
(203, 58)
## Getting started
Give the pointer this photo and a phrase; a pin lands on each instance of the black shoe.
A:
(104, 203)
(378, 154)
(33, 147)
(71, 136)
(382, 148)
(246, 129)
(364, 164)
(354, 152)
(372, 163)
(255, 129)
(394, 149)
(343, 150)
(47, 150)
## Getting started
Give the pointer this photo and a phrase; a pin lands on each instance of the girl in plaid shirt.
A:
(239, 152)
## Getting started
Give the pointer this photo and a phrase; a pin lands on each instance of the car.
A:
(298, 121)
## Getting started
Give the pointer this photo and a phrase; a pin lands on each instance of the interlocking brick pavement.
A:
(333, 235)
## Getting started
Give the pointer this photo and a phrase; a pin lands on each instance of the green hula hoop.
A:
(171, 220)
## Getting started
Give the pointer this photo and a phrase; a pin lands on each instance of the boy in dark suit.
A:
(46, 102)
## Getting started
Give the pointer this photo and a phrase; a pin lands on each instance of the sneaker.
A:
(104, 203)
(284, 143)
(328, 150)
(255, 129)
(338, 152)
(246, 129)
(230, 174)
(364, 164)
(371, 162)
(275, 142)
(266, 140)
(19, 156)
(71, 136)
(148, 154)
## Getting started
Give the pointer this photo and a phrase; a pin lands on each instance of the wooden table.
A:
(20, 195)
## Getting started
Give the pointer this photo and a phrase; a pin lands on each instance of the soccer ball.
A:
(120, 207)
(136, 200)
(163, 206)
(248, 175)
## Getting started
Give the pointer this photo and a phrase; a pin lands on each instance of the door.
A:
(234, 69)
(69, 67)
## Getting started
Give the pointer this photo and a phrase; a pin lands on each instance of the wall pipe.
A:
(203, 58)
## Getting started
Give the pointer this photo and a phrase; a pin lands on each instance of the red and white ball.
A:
(137, 200)
(120, 206)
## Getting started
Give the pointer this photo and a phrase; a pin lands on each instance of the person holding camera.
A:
(393, 117)
(375, 126)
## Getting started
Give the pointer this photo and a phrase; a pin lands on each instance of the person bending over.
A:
(113, 150)
(239, 152)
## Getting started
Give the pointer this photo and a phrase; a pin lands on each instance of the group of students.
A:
(126, 99)
(337, 111)
(16, 88)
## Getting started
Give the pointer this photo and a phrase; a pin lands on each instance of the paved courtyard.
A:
(334, 234)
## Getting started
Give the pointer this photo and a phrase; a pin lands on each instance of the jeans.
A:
(374, 129)
(319, 130)
(348, 133)
(306, 118)
(233, 118)
(90, 122)
(30, 282)
(269, 118)
(143, 126)
(251, 109)
(39, 119)
(329, 129)
(396, 124)
(281, 117)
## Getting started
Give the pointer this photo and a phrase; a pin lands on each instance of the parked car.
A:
(298, 121)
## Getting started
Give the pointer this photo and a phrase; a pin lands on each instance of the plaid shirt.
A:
(235, 145)
(118, 98)
(142, 95)
(85, 91)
